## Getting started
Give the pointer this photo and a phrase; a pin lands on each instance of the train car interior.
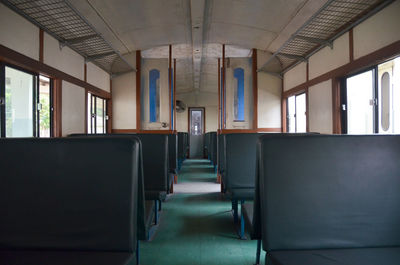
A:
(199, 132)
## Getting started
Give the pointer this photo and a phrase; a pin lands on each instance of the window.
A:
(19, 103)
(371, 100)
(154, 95)
(45, 107)
(360, 103)
(96, 115)
(238, 102)
(389, 96)
(296, 113)
(196, 121)
(25, 104)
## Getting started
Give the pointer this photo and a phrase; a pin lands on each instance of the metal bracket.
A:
(61, 45)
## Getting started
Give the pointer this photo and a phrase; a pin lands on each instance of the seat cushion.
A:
(27, 257)
(241, 194)
(356, 256)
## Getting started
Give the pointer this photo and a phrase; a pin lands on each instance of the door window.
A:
(196, 122)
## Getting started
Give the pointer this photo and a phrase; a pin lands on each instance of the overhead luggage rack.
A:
(331, 21)
(61, 20)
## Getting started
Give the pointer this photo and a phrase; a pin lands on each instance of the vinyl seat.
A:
(30, 257)
(358, 256)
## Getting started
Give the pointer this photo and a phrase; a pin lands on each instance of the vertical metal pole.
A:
(235, 211)
(258, 254)
(156, 212)
(241, 221)
(138, 252)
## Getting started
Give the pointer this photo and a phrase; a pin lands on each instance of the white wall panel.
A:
(64, 59)
(329, 59)
(98, 77)
(320, 107)
(124, 101)
(73, 109)
(269, 101)
(378, 31)
(18, 34)
(295, 76)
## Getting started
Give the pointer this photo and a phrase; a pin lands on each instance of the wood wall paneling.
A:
(41, 45)
(57, 108)
(219, 93)
(259, 130)
(255, 89)
(351, 45)
(174, 95)
(109, 110)
(336, 104)
(170, 86)
(143, 131)
(138, 89)
(12, 57)
(374, 58)
(223, 89)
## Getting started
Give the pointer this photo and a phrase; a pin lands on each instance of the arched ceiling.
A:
(196, 29)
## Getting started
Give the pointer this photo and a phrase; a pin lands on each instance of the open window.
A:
(371, 100)
(97, 117)
(296, 113)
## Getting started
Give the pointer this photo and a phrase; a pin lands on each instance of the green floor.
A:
(197, 229)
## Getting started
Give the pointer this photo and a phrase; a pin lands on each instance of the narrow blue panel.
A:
(153, 77)
(238, 73)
